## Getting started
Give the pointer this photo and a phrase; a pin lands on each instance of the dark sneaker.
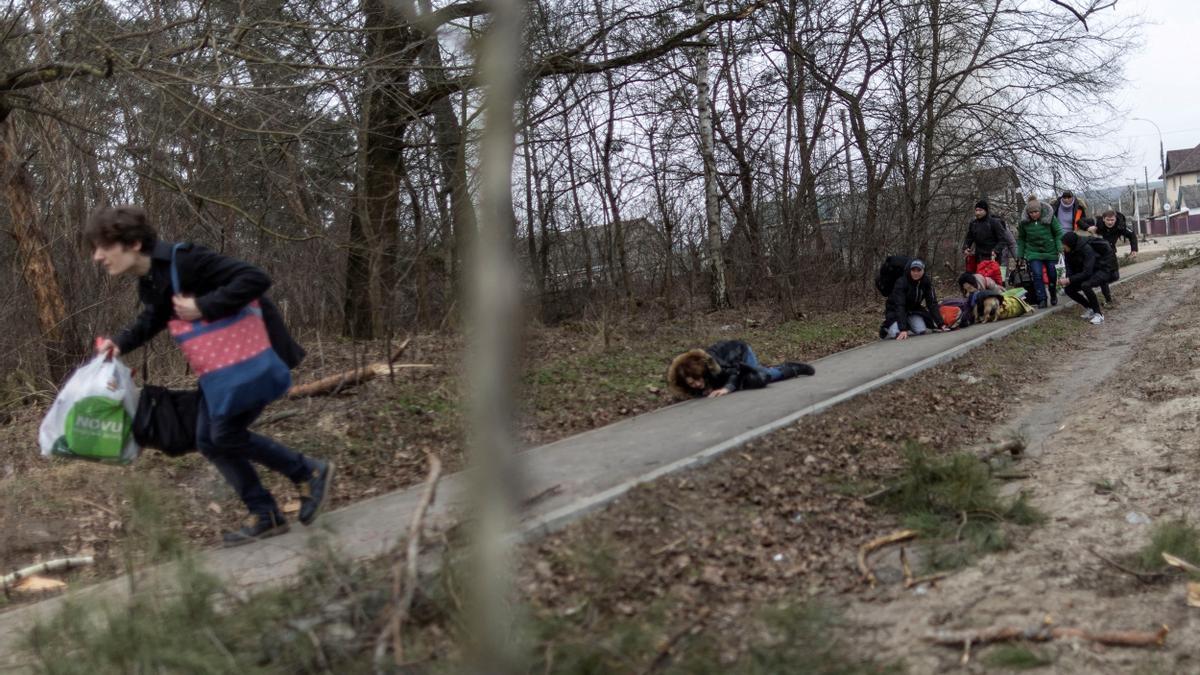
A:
(259, 526)
(792, 369)
(314, 491)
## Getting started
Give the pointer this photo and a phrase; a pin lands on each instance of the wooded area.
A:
(705, 153)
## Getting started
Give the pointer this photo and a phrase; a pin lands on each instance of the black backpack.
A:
(1105, 253)
(892, 269)
(166, 419)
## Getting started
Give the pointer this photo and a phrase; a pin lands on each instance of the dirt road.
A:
(1112, 439)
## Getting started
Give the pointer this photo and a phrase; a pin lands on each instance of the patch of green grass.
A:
(152, 523)
(851, 487)
(952, 502)
(1177, 537)
(422, 402)
(1015, 657)
(820, 331)
(325, 622)
(619, 371)
(802, 642)
(578, 644)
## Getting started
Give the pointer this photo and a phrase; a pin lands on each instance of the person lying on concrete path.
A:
(724, 368)
(1091, 262)
(969, 283)
(211, 287)
(912, 308)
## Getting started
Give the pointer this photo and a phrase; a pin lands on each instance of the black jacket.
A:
(1090, 262)
(1119, 229)
(986, 235)
(735, 373)
(911, 298)
(221, 286)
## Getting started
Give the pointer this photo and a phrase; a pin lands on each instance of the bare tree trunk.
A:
(378, 201)
(63, 349)
(583, 228)
(668, 223)
(492, 350)
(718, 293)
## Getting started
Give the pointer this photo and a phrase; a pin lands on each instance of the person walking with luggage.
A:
(1039, 241)
(985, 235)
(192, 283)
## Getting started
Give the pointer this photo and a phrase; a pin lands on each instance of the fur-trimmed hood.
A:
(697, 361)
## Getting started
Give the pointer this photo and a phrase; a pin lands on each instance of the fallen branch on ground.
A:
(1175, 561)
(355, 376)
(882, 492)
(1144, 577)
(403, 602)
(911, 581)
(1045, 633)
(1013, 446)
(59, 565)
(866, 549)
(666, 648)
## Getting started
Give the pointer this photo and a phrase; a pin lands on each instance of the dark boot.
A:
(1053, 298)
(314, 491)
(259, 526)
(793, 369)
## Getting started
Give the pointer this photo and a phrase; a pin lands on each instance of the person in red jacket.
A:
(215, 286)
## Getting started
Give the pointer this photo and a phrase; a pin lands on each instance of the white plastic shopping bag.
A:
(92, 418)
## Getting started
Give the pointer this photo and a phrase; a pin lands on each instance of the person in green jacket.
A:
(1039, 242)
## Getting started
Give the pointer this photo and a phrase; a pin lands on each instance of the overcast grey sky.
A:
(1164, 85)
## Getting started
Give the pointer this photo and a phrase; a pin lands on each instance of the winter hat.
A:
(916, 264)
(1067, 194)
(982, 204)
(1070, 239)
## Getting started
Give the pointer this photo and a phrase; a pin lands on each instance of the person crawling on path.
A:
(724, 368)
(211, 287)
(912, 307)
(1091, 263)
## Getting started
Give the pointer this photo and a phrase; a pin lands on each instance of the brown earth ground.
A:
(1121, 442)
(682, 575)
(778, 523)
(379, 433)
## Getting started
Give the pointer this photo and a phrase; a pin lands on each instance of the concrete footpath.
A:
(584, 472)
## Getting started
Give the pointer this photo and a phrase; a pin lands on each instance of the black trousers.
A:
(1083, 294)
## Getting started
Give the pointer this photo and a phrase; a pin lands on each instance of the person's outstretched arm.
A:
(153, 318)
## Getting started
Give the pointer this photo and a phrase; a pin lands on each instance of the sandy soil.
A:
(1124, 412)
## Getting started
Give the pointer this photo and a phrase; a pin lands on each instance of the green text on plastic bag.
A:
(97, 428)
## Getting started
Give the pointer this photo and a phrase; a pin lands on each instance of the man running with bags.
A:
(235, 341)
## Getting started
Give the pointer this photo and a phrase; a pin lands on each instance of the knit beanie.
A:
(1070, 239)
(982, 204)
